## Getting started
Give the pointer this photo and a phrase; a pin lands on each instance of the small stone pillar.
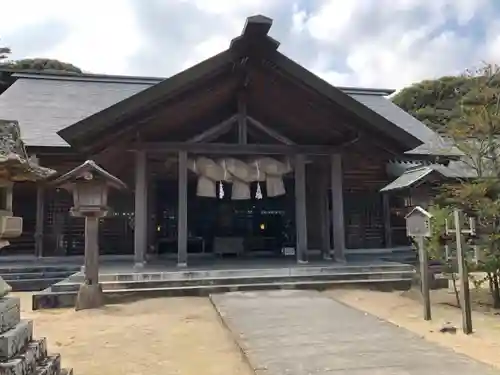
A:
(89, 184)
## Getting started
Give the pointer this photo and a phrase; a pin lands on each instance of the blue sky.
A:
(377, 43)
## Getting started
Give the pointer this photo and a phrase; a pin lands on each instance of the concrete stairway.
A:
(203, 282)
(20, 353)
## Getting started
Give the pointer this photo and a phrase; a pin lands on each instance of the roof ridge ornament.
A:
(255, 34)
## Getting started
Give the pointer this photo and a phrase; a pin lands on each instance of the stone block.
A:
(10, 313)
(26, 361)
(51, 365)
(11, 342)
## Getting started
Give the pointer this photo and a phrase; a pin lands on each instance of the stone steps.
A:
(145, 283)
(64, 294)
(35, 278)
(19, 353)
(293, 271)
(50, 365)
(25, 361)
(32, 285)
(67, 299)
(5, 270)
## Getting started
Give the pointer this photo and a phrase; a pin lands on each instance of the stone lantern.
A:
(90, 184)
(15, 166)
(20, 353)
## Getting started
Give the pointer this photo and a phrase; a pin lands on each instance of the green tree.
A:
(438, 102)
(437, 242)
(475, 130)
(4, 53)
(42, 64)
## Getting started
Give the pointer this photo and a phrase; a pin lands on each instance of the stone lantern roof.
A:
(15, 165)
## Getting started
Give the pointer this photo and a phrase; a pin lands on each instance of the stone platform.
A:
(159, 280)
(20, 353)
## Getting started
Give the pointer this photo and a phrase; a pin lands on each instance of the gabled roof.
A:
(47, 103)
(411, 174)
(254, 41)
(85, 171)
(419, 210)
(73, 105)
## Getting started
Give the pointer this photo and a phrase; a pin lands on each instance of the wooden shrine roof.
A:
(83, 108)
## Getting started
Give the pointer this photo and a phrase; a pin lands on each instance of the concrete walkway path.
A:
(305, 332)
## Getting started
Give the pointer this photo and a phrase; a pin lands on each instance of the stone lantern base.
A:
(89, 297)
(20, 352)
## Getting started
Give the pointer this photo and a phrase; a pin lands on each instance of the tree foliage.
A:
(4, 53)
(438, 102)
(42, 64)
(475, 130)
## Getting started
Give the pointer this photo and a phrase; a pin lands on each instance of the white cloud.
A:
(387, 43)
(102, 34)
(397, 42)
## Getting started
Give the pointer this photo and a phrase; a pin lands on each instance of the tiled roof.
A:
(433, 144)
(410, 173)
(44, 106)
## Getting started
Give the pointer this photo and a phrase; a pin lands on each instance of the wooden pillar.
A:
(324, 212)
(300, 209)
(337, 208)
(386, 207)
(242, 120)
(153, 222)
(182, 229)
(40, 219)
(91, 250)
(141, 209)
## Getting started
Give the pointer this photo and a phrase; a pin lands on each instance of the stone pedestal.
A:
(20, 353)
(89, 297)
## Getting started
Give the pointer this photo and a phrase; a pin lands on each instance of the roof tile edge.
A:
(126, 79)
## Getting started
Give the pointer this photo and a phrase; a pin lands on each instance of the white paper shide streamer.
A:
(209, 173)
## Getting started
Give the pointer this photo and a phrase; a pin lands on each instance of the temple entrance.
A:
(261, 226)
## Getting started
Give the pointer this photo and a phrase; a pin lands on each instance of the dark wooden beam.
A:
(141, 209)
(215, 131)
(182, 225)
(300, 208)
(242, 120)
(235, 149)
(40, 219)
(386, 207)
(322, 181)
(270, 132)
(337, 192)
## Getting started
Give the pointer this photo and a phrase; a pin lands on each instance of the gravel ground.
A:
(405, 310)
(155, 336)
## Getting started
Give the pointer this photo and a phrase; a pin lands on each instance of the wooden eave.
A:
(255, 44)
(77, 133)
(364, 114)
